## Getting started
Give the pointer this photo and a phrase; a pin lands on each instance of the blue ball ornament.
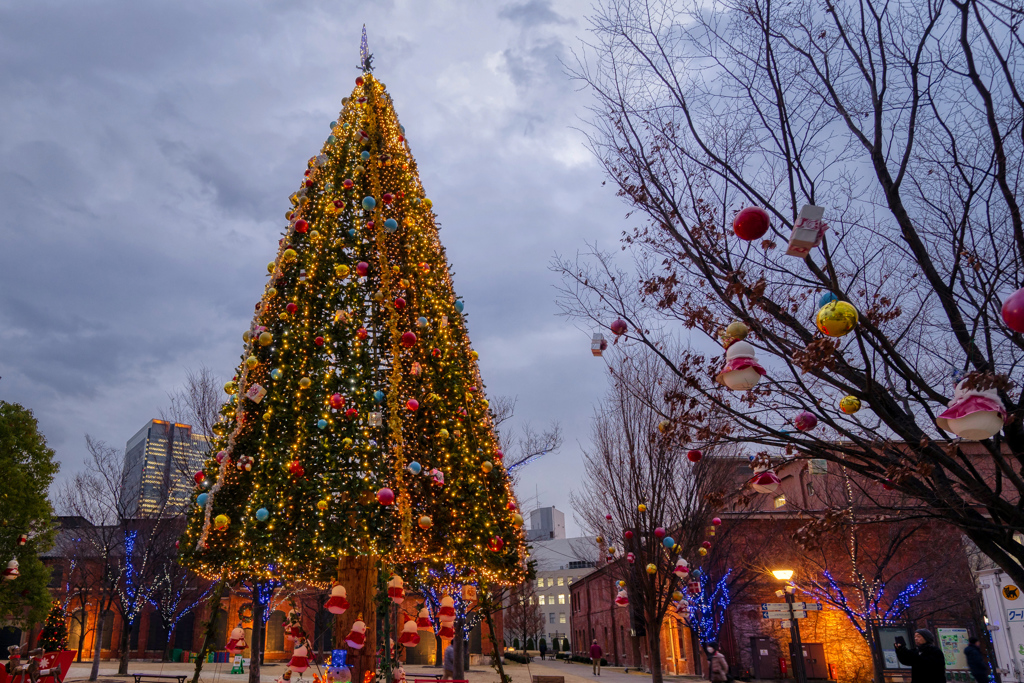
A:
(333, 124)
(827, 298)
(364, 155)
(369, 203)
(402, 128)
(262, 515)
(351, 232)
(668, 541)
(421, 322)
(459, 306)
(378, 396)
(331, 139)
(391, 225)
(321, 424)
(276, 373)
(201, 499)
(415, 467)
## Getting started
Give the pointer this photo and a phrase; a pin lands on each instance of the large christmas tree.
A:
(53, 637)
(357, 423)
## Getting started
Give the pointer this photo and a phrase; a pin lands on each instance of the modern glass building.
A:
(159, 464)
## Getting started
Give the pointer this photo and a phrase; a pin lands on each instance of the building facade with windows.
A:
(159, 463)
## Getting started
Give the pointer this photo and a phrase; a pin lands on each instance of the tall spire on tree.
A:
(357, 422)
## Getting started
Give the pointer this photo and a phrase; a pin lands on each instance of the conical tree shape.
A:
(360, 346)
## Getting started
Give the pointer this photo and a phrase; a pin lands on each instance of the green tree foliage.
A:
(28, 469)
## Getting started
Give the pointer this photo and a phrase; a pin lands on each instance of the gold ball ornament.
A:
(251, 362)
(272, 292)
(664, 426)
(487, 466)
(305, 382)
(677, 596)
(290, 254)
(283, 315)
(517, 520)
(321, 505)
(246, 336)
(426, 522)
(474, 355)
(270, 267)
(836, 318)
(622, 584)
(443, 433)
(652, 568)
(266, 338)
(849, 404)
(702, 551)
(267, 416)
(230, 387)
(341, 270)
(599, 539)
(737, 330)
(221, 522)
(641, 508)
(611, 550)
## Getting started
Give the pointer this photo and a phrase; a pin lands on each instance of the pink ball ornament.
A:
(385, 496)
(412, 404)
(751, 223)
(337, 401)
(805, 421)
(1013, 311)
(618, 327)
(717, 521)
(362, 268)
(659, 532)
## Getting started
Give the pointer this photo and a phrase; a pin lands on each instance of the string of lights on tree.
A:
(356, 422)
(871, 610)
(707, 609)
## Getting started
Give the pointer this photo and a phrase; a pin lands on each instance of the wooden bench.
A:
(138, 677)
(549, 679)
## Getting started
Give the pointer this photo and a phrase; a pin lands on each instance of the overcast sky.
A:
(147, 151)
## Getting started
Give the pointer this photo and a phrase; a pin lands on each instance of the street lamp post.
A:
(794, 626)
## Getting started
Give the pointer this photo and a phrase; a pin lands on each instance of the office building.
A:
(159, 464)
(546, 524)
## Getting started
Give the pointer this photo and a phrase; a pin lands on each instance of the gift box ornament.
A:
(255, 393)
(598, 344)
(808, 231)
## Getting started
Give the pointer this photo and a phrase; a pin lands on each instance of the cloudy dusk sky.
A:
(147, 151)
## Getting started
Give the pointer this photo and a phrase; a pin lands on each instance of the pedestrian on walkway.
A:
(976, 661)
(926, 661)
(718, 667)
(595, 657)
(449, 662)
(543, 644)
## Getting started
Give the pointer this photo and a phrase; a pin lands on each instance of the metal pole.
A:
(794, 634)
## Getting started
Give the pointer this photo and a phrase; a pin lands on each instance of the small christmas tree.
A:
(54, 636)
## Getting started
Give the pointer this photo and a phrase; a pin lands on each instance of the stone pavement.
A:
(520, 673)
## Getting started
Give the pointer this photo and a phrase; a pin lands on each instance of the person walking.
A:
(926, 661)
(976, 661)
(718, 667)
(543, 647)
(595, 657)
(449, 662)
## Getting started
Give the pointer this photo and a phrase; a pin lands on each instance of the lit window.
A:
(551, 582)
(540, 599)
(561, 617)
(540, 583)
(568, 581)
(561, 581)
(780, 501)
(531, 599)
(561, 598)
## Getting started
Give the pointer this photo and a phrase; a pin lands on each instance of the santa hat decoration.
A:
(237, 641)
(356, 638)
(11, 572)
(446, 615)
(681, 568)
(446, 632)
(973, 414)
(395, 590)
(622, 599)
(409, 637)
(338, 602)
(423, 621)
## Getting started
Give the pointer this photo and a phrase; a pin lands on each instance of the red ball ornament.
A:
(359, 80)
(412, 404)
(511, 505)
(1013, 311)
(399, 304)
(338, 203)
(751, 223)
(347, 183)
(608, 517)
(301, 225)
(369, 225)
(385, 496)
(498, 455)
(362, 268)
(717, 521)
(694, 456)
(309, 182)
(409, 339)
(362, 333)
(319, 341)
(659, 532)
(435, 353)
(496, 544)
(706, 545)
(200, 477)
(351, 412)
(618, 327)
(887, 485)
(805, 421)
(295, 467)
(337, 401)
(291, 307)
(388, 197)
(628, 535)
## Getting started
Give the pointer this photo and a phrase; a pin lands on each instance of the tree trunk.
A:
(496, 651)
(358, 574)
(654, 645)
(211, 628)
(81, 635)
(170, 639)
(460, 646)
(97, 646)
(126, 633)
(258, 610)
(439, 651)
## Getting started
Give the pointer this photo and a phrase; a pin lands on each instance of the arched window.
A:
(75, 630)
(108, 630)
(156, 639)
(275, 632)
(183, 632)
(220, 634)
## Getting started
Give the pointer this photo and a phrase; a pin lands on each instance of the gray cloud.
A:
(147, 151)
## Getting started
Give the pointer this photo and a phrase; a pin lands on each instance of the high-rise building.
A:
(546, 524)
(159, 463)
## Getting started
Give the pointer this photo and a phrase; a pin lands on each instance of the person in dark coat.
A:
(543, 646)
(976, 661)
(926, 661)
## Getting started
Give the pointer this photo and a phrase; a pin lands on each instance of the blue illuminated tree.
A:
(705, 612)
